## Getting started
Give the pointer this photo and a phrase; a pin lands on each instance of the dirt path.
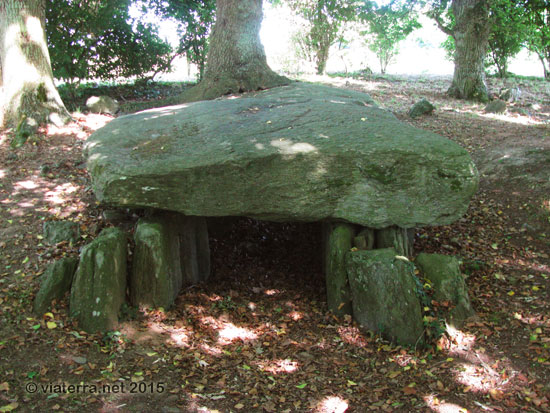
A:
(259, 338)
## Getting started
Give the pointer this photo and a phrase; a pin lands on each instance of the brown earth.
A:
(258, 337)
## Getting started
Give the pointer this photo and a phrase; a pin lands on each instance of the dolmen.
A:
(303, 152)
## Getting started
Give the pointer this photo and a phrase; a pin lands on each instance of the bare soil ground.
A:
(258, 337)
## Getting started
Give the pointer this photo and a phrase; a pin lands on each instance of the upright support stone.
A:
(194, 249)
(99, 285)
(338, 238)
(448, 284)
(384, 295)
(156, 267)
(56, 282)
(364, 240)
(396, 238)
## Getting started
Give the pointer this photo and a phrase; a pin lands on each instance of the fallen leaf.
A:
(409, 390)
(9, 407)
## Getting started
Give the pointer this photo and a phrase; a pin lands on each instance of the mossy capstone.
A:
(302, 152)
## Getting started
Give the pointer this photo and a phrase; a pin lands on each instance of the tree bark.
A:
(321, 58)
(236, 60)
(471, 36)
(30, 97)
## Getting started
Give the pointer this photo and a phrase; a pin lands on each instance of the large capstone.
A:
(302, 152)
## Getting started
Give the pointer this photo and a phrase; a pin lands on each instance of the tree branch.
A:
(441, 25)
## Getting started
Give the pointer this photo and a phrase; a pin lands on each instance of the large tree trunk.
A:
(236, 60)
(471, 36)
(29, 96)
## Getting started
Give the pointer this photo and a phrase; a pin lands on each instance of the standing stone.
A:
(496, 106)
(194, 249)
(102, 104)
(156, 267)
(364, 240)
(338, 242)
(384, 295)
(99, 285)
(56, 281)
(422, 107)
(396, 238)
(448, 284)
(59, 231)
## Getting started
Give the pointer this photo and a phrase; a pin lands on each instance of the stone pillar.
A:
(99, 285)
(194, 250)
(171, 250)
(397, 238)
(156, 268)
(364, 240)
(338, 239)
(443, 271)
(384, 295)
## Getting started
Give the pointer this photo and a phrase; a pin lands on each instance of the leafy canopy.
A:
(326, 20)
(194, 18)
(99, 39)
(388, 25)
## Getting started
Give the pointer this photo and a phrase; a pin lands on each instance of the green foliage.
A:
(195, 19)
(326, 20)
(95, 39)
(538, 36)
(508, 32)
(434, 326)
(514, 25)
(134, 95)
(226, 304)
(388, 25)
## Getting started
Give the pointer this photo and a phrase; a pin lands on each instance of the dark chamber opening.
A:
(248, 253)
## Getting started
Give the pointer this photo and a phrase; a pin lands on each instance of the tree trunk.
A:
(544, 67)
(471, 36)
(29, 96)
(236, 60)
(321, 58)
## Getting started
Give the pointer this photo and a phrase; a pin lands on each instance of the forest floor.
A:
(258, 337)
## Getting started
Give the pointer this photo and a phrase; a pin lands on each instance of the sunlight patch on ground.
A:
(517, 119)
(180, 338)
(295, 315)
(60, 193)
(352, 335)
(440, 406)
(342, 81)
(332, 404)
(279, 366)
(459, 341)
(230, 332)
(28, 184)
(81, 127)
